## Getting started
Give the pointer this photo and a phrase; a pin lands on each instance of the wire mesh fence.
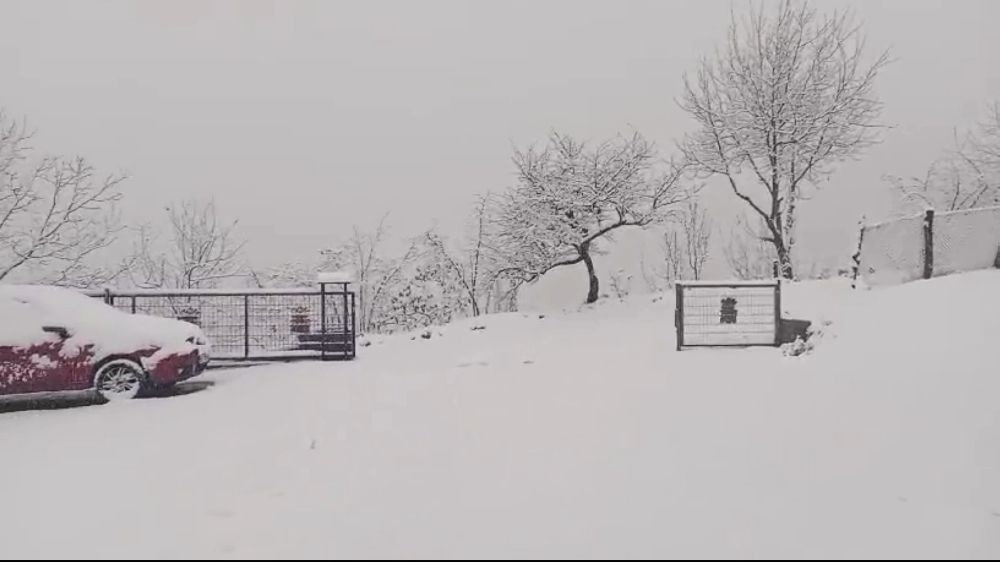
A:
(966, 240)
(728, 314)
(928, 245)
(892, 252)
(257, 324)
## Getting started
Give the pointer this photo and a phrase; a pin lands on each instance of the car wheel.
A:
(118, 380)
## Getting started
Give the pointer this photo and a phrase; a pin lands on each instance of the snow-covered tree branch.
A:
(697, 235)
(966, 177)
(55, 213)
(377, 275)
(748, 251)
(790, 95)
(475, 269)
(683, 248)
(200, 253)
(571, 196)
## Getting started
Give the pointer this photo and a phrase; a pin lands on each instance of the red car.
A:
(54, 340)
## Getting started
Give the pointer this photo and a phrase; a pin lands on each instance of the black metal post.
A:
(929, 244)
(133, 304)
(322, 321)
(777, 314)
(246, 326)
(354, 326)
(679, 315)
(344, 325)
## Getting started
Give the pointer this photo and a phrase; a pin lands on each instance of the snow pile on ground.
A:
(581, 434)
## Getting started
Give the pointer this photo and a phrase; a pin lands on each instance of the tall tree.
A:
(788, 97)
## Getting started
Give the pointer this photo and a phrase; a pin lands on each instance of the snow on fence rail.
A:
(257, 324)
(928, 245)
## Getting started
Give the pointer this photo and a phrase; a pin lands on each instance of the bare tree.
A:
(789, 97)
(474, 267)
(684, 248)
(697, 235)
(200, 253)
(673, 257)
(986, 143)
(55, 213)
(377, 276)
(395, 290)
(966, 177)
(748, 252)
(571, 196)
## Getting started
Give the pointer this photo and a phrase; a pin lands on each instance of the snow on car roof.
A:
(54, 298)
(26, 309)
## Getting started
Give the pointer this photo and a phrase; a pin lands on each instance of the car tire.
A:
(119, 380)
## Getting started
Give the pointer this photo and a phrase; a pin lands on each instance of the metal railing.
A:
(260, 324)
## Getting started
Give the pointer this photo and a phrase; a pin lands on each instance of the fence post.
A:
(246, 326)
(856, 258)
(344, 288)
(679, 314)
(108, 299)
(354, 327)
(322, 321)
(777, 314)
(929, 244)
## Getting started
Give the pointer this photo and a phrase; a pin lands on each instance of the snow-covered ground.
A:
(580, 434)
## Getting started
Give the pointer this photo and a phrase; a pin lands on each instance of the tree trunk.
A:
(784, 260)
(592, 294)
(781, 249)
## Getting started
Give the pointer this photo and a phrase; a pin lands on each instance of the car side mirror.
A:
(58, 330)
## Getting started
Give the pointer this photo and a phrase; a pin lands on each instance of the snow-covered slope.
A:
(580, 434)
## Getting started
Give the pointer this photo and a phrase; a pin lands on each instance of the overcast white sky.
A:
(302, 118)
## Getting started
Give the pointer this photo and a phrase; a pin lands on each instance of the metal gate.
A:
(728, 314)
(257, 325)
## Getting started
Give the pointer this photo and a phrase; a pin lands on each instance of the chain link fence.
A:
(929, 245)
(257, 325)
